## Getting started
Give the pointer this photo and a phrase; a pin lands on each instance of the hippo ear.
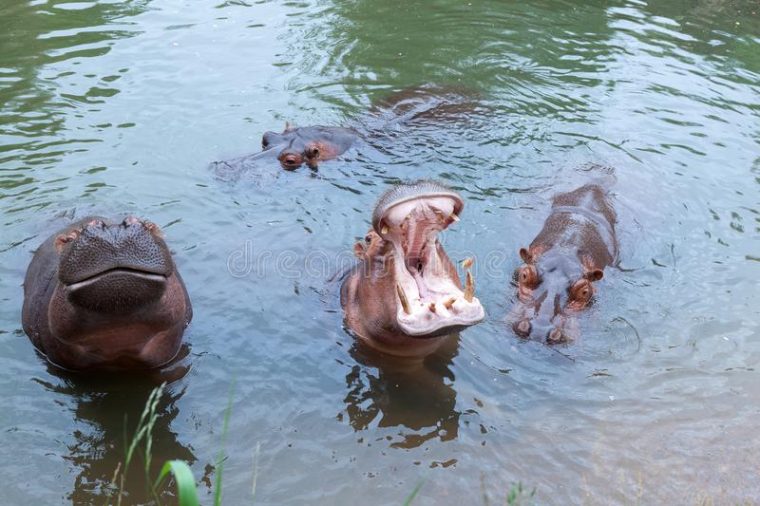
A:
(525, 255)
(154, 229)
(594, 274)
(359, 249)
(63, 239)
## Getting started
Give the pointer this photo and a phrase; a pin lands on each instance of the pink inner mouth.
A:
(433, 301)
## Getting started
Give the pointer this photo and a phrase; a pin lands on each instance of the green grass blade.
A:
(183, 475)
(220, 458)
(413, 494)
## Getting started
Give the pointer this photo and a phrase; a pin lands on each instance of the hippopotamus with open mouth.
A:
(107, 296)
(562, 263)
(406, 295)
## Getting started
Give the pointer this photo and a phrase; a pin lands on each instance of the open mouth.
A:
(121, 272)
(429, 301)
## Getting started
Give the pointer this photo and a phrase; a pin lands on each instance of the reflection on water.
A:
(119, 107)
(38, 94)
(105, 411)
(413, 395)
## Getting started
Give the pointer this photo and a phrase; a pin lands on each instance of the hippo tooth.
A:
(467, 262)
(449, 303)
(384, 230)
(454, 218)
(403, 299)
(469, 288)
(432, 307)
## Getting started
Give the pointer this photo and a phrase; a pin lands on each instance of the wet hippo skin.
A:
(405, 295)
(563, 263)
(310, 145)
(296, 146)
(102, 295)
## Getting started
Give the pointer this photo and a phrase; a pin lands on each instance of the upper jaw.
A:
(101, 247)
(395, 204)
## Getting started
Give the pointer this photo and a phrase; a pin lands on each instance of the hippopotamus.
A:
(310, 145)
(105, 295)
(561, 265)
(405, 296)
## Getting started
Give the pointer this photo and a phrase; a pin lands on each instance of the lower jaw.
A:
(117, 292)
(444, 330)
(402, 345)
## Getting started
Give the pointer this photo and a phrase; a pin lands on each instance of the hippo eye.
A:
(368, 238)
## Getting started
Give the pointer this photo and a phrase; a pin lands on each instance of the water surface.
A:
(117, 107)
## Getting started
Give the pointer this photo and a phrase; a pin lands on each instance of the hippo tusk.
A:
(454, 218)
(469, 287)
(431, 307)
(403, 299)
(449, 303)
(384, 230)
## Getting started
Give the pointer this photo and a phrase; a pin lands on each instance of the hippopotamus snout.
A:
(98, 247)
(556, 331)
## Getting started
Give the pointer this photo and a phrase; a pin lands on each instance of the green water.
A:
(119, 107)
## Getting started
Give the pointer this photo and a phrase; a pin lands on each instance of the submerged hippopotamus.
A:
(569, 254)
(405, 296)
(292, 148)
(310, 145)
(104, 295)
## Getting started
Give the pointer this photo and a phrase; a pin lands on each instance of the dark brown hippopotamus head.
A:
(105, 295)
(556, 281)
(310, 145)
(406, 295)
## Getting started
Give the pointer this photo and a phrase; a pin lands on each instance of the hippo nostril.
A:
(554, 336)
(522, 328)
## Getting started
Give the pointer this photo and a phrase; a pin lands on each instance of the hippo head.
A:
(407, 291)
(113, 267)
(552, 287)
(309, 145)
